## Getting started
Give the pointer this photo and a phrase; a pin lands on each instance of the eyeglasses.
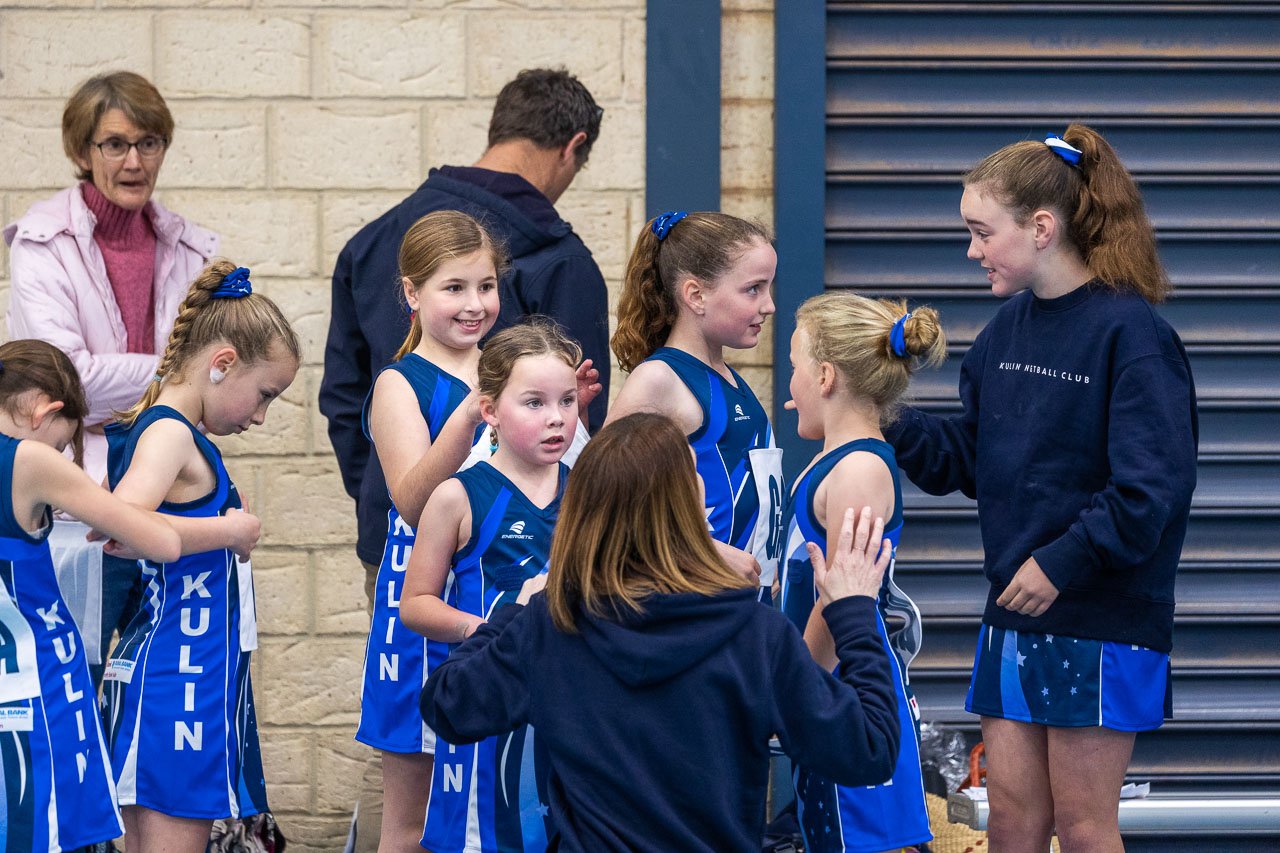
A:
(115, 148)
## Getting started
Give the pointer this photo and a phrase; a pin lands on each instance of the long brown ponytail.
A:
(702, 245)
(1097, 198)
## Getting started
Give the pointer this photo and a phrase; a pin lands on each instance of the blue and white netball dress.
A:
(397, 660)
(491, 796)
(53, 761)
(877, 817)
(177, 694)
(740, 467)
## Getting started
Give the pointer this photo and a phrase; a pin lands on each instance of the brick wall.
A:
(296, 123)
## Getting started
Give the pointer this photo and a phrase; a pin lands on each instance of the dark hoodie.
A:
(552, 273)
(658, 724)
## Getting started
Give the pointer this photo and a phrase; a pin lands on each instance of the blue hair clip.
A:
(1063, 149)
(898, 336)
(662, 224)
(234, 285)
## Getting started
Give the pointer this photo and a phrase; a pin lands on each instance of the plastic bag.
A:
(944, 758)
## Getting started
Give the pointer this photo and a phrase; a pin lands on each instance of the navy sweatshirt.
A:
(1078, 439)
(658, 724)
(552, 273)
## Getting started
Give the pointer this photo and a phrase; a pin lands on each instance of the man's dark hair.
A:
(546, 106)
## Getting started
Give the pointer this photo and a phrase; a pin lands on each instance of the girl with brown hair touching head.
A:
(1078, 438)
(490, 531)
(653, 676)
(424, 418)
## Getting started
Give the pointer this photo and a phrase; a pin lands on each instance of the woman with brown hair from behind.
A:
(653, 653)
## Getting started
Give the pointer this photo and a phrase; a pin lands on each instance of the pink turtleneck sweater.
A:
(128, 246)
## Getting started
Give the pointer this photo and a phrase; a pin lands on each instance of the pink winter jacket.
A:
(59, 293)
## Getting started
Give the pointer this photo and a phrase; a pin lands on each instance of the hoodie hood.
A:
(524, 217)
(671, 635)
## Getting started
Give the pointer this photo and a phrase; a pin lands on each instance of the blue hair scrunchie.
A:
(234, 285)
(898, 336)
(1063, 149)
(662, 224)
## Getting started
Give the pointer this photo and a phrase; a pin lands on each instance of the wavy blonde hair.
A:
(852, 332)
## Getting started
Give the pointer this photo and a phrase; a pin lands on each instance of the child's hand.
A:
(589, 386)
(470, 408)
(857, 567)
(738, 560)
(1030, 592)
(243, 529)
(116, 549)
(532, 587)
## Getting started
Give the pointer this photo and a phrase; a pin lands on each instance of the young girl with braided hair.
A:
(851, 360)
(178, 701)
(1078, 438)
(57, 793)
(696, 284)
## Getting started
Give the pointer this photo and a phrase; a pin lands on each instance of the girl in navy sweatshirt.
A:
(659, 677)
(1078, 439)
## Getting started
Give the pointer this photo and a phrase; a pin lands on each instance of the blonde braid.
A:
(175, 351)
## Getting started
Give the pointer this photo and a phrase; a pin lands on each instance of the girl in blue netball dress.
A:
(851, 360)
(178, 700)
(421, 417)
(490, 532)
(1078, 439)
(57, 793)
(696, 284)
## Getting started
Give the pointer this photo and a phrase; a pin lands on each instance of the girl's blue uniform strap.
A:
(10, 528)
(438, 392)
(122, 441)
(825, 465)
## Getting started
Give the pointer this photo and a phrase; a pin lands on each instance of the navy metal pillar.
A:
(799, 189)
(682, 112)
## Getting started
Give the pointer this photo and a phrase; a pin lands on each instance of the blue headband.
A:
(1063, 149)
(234, 285)
(898, 336)
(662, 224)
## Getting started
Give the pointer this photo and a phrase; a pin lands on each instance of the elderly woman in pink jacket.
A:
(99, 269)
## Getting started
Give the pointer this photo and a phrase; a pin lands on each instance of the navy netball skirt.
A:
(1067, 682)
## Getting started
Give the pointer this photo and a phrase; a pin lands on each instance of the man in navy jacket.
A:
(543, 126)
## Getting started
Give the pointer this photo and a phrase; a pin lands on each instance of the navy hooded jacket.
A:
(658, 724)
(552, 273)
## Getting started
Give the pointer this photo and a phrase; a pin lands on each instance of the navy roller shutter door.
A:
(1190, 97)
